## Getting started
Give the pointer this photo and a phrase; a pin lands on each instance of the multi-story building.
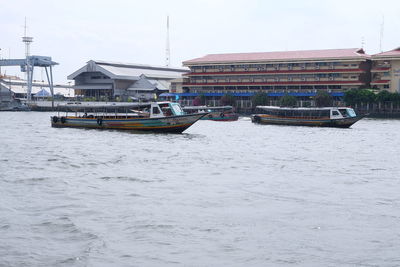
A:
(294, 72)
(386, 70)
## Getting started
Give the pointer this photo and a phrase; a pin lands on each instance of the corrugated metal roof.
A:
(281, 56)
(126, 73)
(160, 84)
(140, 66)
(129, 71)
(392, 53)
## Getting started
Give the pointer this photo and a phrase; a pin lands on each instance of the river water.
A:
(221, 194)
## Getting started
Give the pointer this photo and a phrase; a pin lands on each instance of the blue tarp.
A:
(302, 94)
(42, 93)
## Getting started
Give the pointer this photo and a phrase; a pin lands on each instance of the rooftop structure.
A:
(307, 55)
(115, 79)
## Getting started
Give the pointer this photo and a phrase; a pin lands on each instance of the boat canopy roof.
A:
(102, 106)
(206, 107)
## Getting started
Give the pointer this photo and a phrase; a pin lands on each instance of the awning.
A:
(299, 94)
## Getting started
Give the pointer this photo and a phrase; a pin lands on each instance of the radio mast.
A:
(167, 51)
(27, 40)
(29, 70)
(381, 34)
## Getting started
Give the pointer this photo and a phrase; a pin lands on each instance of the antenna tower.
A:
(29, 69)
(167, 51)
(381, 34)
(27, 40)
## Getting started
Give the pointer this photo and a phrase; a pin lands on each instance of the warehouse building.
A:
(111, 80)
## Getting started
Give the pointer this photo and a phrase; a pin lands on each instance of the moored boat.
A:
(155, 117)
(222, 113)
(342, 117)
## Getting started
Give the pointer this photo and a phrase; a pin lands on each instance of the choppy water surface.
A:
(221, 194)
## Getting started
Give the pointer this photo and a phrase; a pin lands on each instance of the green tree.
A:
(288, 101)
(323, 99)
(228, 99)
(259, 99)
(395, 97)
(384, 96)
(353, 96)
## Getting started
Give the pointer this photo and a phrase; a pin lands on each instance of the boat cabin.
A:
(118, 110)
(312, 113)
(159, 110)
(165, 109)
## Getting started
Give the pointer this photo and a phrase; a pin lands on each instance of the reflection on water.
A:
(222, 193)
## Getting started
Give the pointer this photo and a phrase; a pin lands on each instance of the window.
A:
(156, 110)
(335, 113)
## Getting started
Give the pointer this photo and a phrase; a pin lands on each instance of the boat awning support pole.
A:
(50, 81)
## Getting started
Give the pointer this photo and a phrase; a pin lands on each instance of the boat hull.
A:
(221, 117)
(338, 123)
(172, 124)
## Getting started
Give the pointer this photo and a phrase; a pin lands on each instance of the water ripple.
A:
(221, 194)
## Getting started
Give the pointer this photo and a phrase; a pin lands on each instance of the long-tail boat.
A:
(155, 117)
(342, 117)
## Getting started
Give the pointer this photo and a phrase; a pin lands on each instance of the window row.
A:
(288, 66)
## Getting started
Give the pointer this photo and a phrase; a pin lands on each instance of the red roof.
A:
(283, 55)
(391, 53)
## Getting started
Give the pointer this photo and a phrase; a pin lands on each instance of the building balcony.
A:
(380, 82)
(380, 69)
(303, 82)
(308, 71)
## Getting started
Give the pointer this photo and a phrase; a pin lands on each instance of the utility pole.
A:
(381, 34)
(167, 52)
(29, 69)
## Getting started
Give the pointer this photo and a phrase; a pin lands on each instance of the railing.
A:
(380, 109)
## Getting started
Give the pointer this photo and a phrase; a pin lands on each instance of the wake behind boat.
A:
(341, 117)
(156, 117)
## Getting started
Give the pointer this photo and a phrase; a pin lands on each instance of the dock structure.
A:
(29, 63)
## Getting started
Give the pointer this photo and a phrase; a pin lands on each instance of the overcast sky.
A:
(75, 31)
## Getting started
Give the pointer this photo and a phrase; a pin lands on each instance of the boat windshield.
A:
(176, 109)
(351, 112)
